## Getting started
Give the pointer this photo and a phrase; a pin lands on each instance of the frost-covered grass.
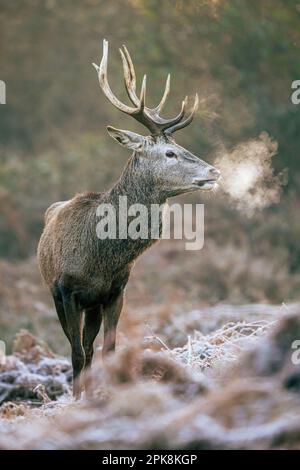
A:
(231, 385)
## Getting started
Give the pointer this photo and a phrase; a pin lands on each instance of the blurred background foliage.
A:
(241, 56)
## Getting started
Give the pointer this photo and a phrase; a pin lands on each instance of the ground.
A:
(232, 385)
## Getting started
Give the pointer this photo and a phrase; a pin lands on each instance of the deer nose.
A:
(214, 173)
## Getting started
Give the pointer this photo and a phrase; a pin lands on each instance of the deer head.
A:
(172, 168)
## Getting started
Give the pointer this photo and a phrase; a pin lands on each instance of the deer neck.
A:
(138, 186)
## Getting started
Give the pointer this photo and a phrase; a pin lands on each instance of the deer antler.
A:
(150, 118)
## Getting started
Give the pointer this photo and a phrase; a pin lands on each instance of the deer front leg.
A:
(92, 324)
(74, 324)
(111, 315)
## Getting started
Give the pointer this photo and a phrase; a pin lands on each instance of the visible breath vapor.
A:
(247, 174)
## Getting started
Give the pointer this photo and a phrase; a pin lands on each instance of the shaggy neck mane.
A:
(139, 187)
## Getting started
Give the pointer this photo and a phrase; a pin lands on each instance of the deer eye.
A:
(170, 154)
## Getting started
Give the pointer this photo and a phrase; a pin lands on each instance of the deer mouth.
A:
(205, 184)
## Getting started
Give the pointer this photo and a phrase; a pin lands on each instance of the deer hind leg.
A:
(111, 315)
(74, 325)
(59, 306)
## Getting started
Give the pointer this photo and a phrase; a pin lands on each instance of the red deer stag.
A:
(87, 275)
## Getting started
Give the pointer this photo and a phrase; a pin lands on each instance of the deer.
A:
(86, 275)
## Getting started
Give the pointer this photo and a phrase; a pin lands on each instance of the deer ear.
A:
(129, 139)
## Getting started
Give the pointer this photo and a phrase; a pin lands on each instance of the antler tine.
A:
(171, 122)
(143, 94)
(143, 114)
(102, 76)
(187, 121)
(165, 95)
(129, 75)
